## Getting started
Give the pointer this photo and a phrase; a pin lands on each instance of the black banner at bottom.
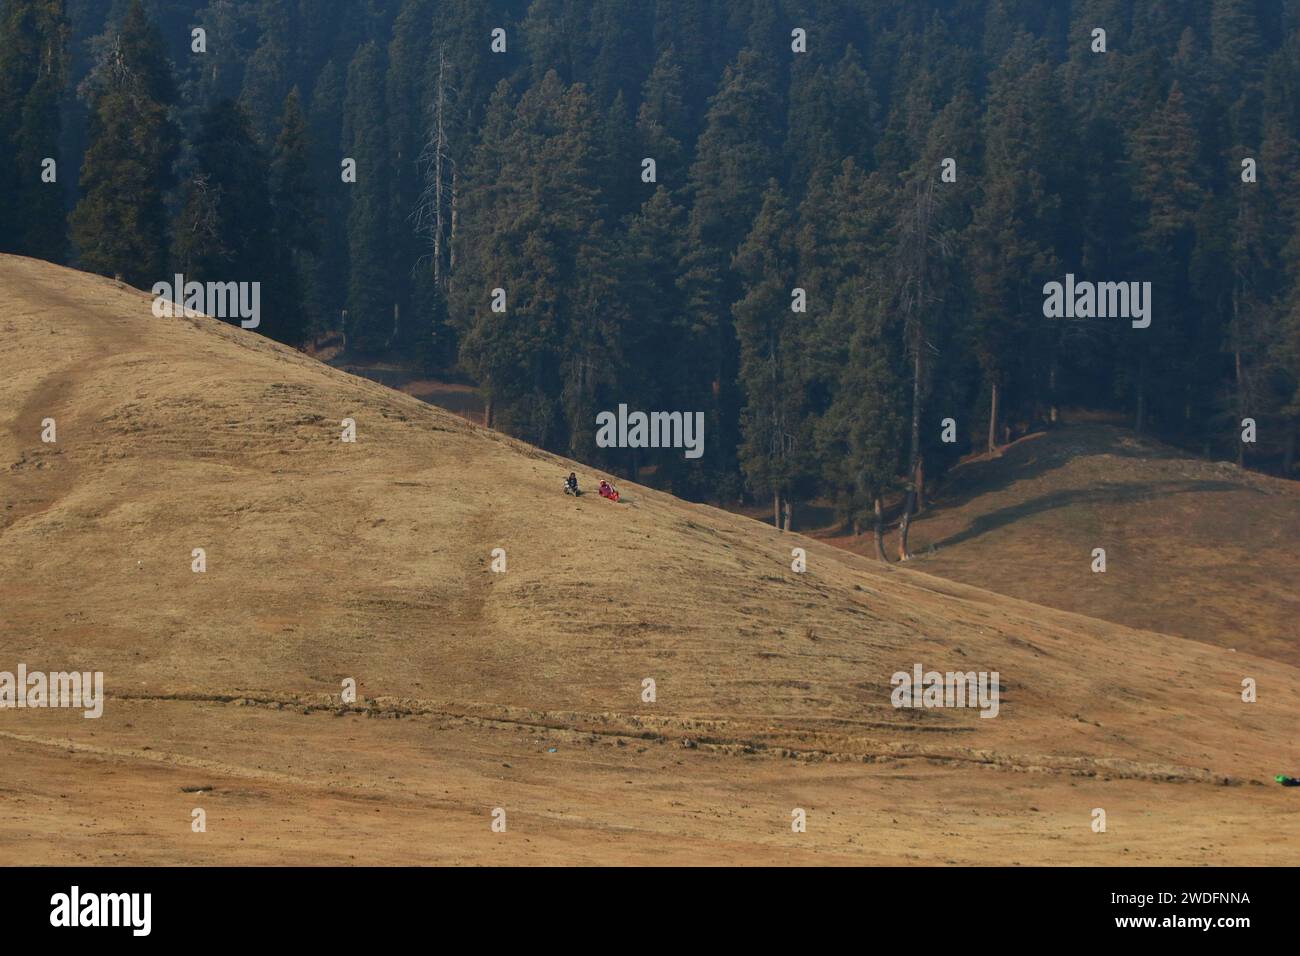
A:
(298, 905)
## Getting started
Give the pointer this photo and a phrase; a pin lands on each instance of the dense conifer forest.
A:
(828, 225)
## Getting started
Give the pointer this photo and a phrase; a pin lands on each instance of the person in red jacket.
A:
(607, 490)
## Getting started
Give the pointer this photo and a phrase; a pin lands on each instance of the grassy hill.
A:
(523, 690)
(1195, 548)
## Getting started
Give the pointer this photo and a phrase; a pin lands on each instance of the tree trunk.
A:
(879, 509)
(915, 262)
(1051, 390)
(487, 412)
(914, 457)
(451, 242)
(920, 485)
(993, 421)
(789, 515)
(1139, 421)
(1241, 445)
(440, 146)
(1238, 286)
(776, 510)
(903, 553)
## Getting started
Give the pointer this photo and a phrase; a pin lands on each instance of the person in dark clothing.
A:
(571, 485)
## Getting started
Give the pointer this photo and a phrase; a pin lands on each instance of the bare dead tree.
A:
(451, 252)
(435, 160)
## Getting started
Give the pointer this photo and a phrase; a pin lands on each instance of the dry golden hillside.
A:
(1195, 548)
(522, 690)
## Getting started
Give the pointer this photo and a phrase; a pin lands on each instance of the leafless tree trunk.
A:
(1051, 388)
(430, 213)
(776, 510)
(913, 458)
(789, 515)
(1240, 403)
(439, 150)
(1236, 358)
(993, 421)
(451, 252)
(879, 508)
(920, 485)
(1139, 421)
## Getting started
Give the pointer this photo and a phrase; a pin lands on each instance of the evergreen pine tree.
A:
(225, 230)
(33, 67)
(370, 298)
(736, 156)
(120, 225)
(325, 137)
(297, 226)
(774, 430)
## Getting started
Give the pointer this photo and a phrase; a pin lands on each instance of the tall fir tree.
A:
(325, 138)
(737, 154)
(1167, 184)
(370, 324)
(120, 225)
(1010, 243)
(225, 229)
(770, 319)
(294, 199)
(33, 72)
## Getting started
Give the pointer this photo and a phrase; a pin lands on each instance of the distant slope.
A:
(329, 560)
(1195, 548)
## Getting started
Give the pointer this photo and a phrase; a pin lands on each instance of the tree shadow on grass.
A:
(1039, 453)
(1129, 493)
